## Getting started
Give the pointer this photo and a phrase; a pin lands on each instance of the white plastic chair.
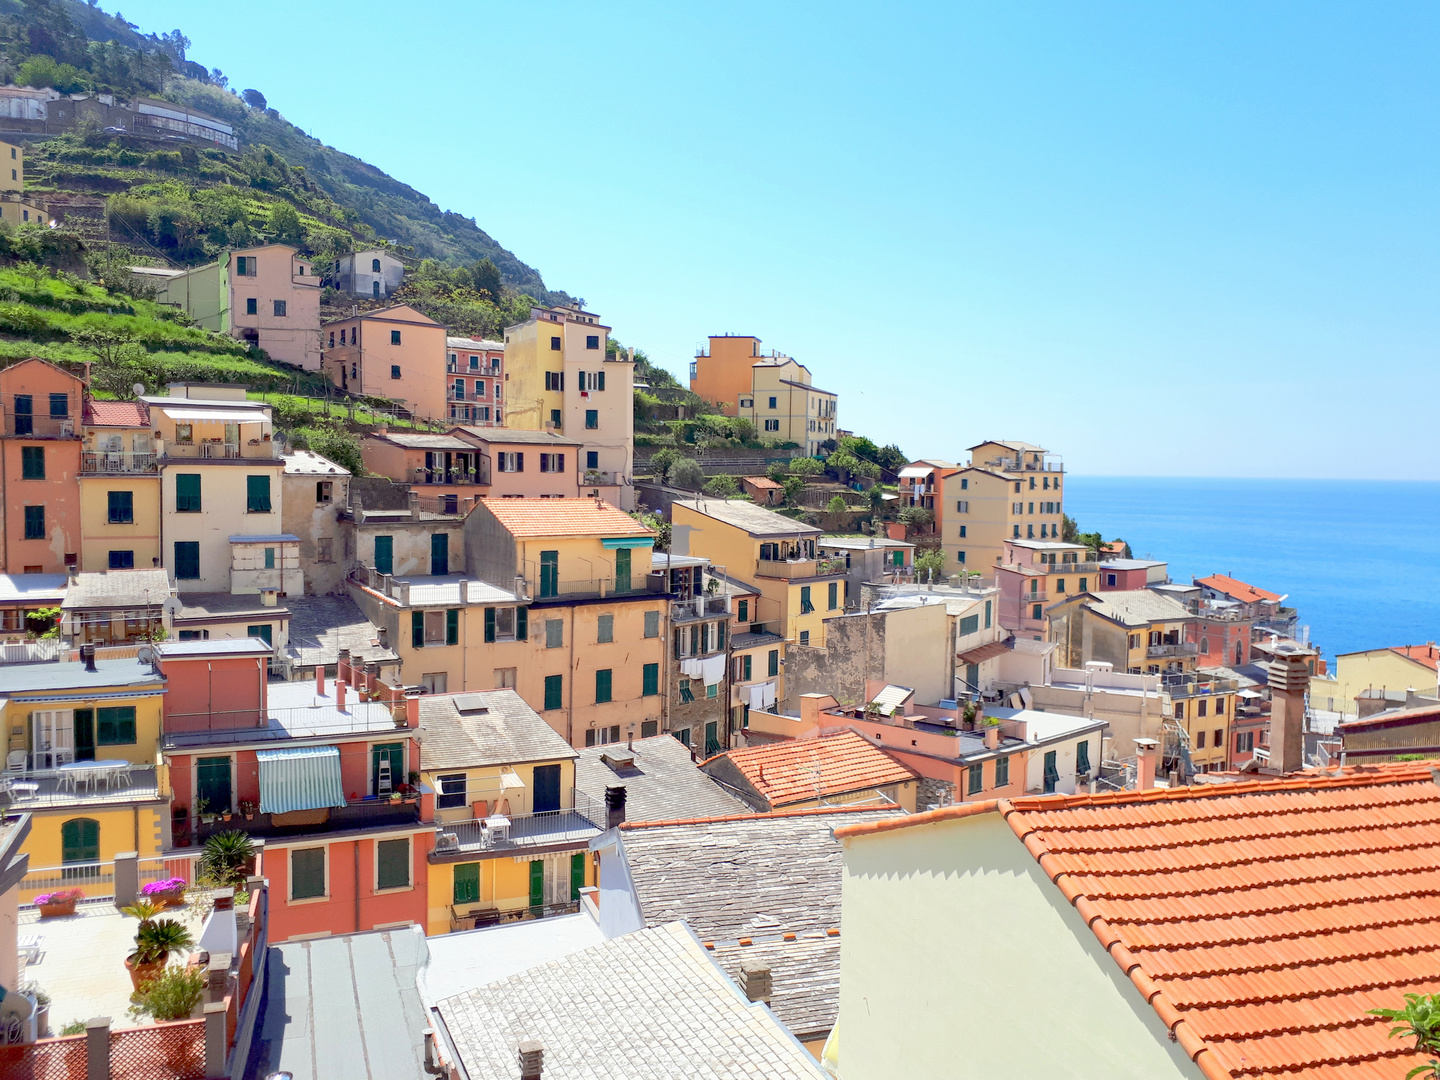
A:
(17, 761)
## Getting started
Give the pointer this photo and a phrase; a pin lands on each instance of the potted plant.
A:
(57, 903)
(172, 994)
(228, 858)
(42, 1014)
(202, 811)
(413, 778)
(167, 892)
(247, 809)
(154, 942)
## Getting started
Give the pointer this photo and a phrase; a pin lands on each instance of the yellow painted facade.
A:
(784, 405)
(99, 535)
(1207, 721)
(1007, 492)
(17, 212)
(504, 885)
(1375, 669)
(12, 167)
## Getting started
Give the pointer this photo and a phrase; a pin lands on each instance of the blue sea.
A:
(1360, 559)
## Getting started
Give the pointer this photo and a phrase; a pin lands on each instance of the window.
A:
(185, 433)
(805, 605)
(965, 483)
(1030, 532)
(452, 791)
(555, 380)
(1084, 584)
(122, 560)
(969, 624)
(79, 843)
(772, 664)
(772, 425)
(263, 631)
(962, 506)
(804, 637)
(652, 624)
(1179, 710)
(592, 459)
(307, 873)
(605, 629)
(392, 864)
(257, 494)
(24, 414)
(324, 491)
(1059, 584)
(245, 265)
(592, 419)
(1219, 706)
(1244, 742)
(1052, 772)
(512, 461)
(554, 633)
(554, 687)
(115, 726)
(187, 559)
(385, 554)
(34, 523)
(552, 463)
(1037, 614)
(1200, 740)
(960, 555)
(684, 733)
(772, 403)
(976, 776)
(554, 344)
(650, 680)
(747, 403)
(32, 463)
(394, 337)
(987, 614)
(712, 690)
(1016, 534)
(592, 341)
(1082, 756)
(394, 371)
(686, 695)
(278, 308)
(1002, 772)
(121, 507)
(1219, 739)
(467, 883)
(602, 686)
(592, 380)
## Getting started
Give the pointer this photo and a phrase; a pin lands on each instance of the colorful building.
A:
(771, 390)
(1033, 574)
(475, 381)
(833, 770)
(40, 467)
(1137, 631)
(1008, 491)
(119, 488)
(314, 491)
(1391, 670)
(393, 352)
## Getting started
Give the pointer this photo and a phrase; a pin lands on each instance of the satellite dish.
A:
(145, 654)
(171, 606)
(138, 388)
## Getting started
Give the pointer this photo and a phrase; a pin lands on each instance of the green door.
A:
(577, 874)
(622, 570)
(212, 783)
(537, 884)
(1052, 773)
(84, 735)
(467, 883)
(712, 739)
(972, 676)
(80, 843)
(385, 554)
(394, 754)
(439, 553)
(549, 573)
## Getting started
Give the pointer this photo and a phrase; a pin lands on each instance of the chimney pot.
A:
(532, 1060)
(87, 656)
(755, 981)
(382, 636)
(614, 806)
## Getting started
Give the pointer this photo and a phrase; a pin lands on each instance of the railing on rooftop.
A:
(39, 425)
(478, 920)
(118, 462)
(580, 822)
(1067, 567)
(699, 607)
(30, 652)
(600, 478)
(362, 814)
(1183, 648)
(447, 505)
(96, 879)
(1010, 464)
(600, 587)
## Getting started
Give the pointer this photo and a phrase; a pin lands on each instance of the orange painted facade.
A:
(39, 468)
(395, 353)
(725, 372)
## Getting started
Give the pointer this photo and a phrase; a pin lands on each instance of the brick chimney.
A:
(755, 981)
(1289, 681)
(614, 806)
(1147, 759)
(532, 1060)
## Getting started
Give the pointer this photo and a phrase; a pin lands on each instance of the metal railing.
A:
(584, 820)
(1068, 567)
(39, 425)
(364, 814)
(96, 879)
(29, 652)
(604, 586)
(699, 607)
(1035, 597)
(1184, 648)
(600, 478)
(117, 461)
(478, 920)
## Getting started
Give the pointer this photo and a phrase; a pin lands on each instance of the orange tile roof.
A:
(786, 772)
(1246, 594)
(116, 413)
(1428, 655)
(761, 482)
(564, 517)
(1261, 920)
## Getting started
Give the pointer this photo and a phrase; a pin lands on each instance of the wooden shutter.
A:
(577, 874)
(392, 864)
(452, 626)
(522, 624)
(307, 873)
(467, 883)
(417, 629)
(489, 624)
(537, 883)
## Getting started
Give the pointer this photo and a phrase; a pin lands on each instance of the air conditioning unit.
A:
(447, 841)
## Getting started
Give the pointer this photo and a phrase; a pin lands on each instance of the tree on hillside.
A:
(254, 98)
(284, 224)
(486, 277)
(805, 466)
(686, 473)
(663, 461)
(722, 487)
(930, 565)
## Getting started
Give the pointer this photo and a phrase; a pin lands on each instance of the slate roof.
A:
(1261, 920)
(32, 588)
(564, 517)
(421, 442)
(663, 783)
(309, 463)
(651, 1005)
(195, 606)
(518, 436)
(1137, 607)
(71, 675)
(320, 626)
(487, 727)
(804, 977)
(1237, 589)
(755, 520)
(108, 414)
(800, 771)
(737, 877)
(117, 589)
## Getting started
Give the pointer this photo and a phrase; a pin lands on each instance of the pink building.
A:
(475, 377)
(39, 468)
(529, 464)
(1123, 575)
(1033, 574)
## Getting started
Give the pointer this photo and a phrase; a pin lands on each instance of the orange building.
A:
(394, 352)
(39, 467)
(725, 372)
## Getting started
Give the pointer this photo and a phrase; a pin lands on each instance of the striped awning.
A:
(300, 778)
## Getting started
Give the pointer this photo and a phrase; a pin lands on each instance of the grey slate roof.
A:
(761, 874)
(70, 675)
(320, 626)
(755, 520)
(309, 463)
(663, 784)
(210, 605)
(343, 1008)
(117, 589)
(517, 435)
(804, 976)
(651, 1005)
(486, 727)
(1138, 607)
(423, 442)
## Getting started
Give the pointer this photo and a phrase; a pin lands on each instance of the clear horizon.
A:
(1170, 236)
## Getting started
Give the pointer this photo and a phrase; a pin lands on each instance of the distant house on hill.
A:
(375, 273)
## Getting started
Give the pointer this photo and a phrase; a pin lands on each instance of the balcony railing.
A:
(39, 426)
(593, 587)
(365, 814)
(526, 831)
(1068, 567)
(118, 461)
(699, 607)
(1035, 598)
(600, 478)
(257, 449)
(1183, 648)
(787, 568)
(1009, 464)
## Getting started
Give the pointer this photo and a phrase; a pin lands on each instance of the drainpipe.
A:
(355, 847)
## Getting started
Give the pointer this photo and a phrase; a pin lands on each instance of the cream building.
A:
(785, 406)
(1389, 672)
(1008, 491)
(559, 378)
(12, 167)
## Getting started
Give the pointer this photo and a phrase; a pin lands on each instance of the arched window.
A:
(1238, 654)
(1205, 645)
(79, 842)
(375, 289)
(375, 266)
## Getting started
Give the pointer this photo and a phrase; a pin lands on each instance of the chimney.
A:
(340, 694)
(382, 637)
(532, 1060)
(412, 712)
(1289, 682)
(73, 570)
(87, 657)
(614, 806)
(269, 597)
(755, 981)
(1147, 757)
(342, 665)
(992, 736)
(319, 680)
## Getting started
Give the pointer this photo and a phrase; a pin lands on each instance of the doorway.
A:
(547, 789)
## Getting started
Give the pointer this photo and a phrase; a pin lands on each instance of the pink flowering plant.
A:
(165, 885)
(63, 896)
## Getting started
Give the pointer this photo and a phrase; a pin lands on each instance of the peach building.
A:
(723, 372)
(394, 352)
(39, 467)
(474, 381)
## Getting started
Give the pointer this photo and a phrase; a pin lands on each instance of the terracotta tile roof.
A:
(984, 652)
(796, 771)
(1261, 920)
(1428, 655)
(116, 414)
(1245, 593)
(564, 517)
(761, 482)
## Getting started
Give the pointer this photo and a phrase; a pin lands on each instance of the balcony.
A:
(526, 831)
(1068, 567)
(218, 450)
(37, 426)
(699, 607)
(364, 814)
(1035, 598)
(600, 478)
(586, 588)
(117, 463)
(786, 569)
(1182, 648)
(1015, 465)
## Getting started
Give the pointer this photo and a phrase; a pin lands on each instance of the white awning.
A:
(300, 778)
(226, 416)
(911, 471)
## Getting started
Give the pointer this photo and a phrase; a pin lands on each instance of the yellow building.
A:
(785, 406)
(1033, 574)
(1203, 704)
(19, 211)
(12, 167)
(1389, 671)
(85, 735)
(1136, 630)
(558, 377)
(119, 488)
(512, 833)
(1008, 491)
(775, 556)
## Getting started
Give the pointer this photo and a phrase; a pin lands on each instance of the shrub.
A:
(687, 474)
(226, 856)
(155, 941)
(172, 995)
(722, 487)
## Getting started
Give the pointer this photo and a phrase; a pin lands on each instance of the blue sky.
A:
(1157, 239)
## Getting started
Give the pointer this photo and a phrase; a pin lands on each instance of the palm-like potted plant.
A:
(228, 858)
(61, 902)
(155, 940)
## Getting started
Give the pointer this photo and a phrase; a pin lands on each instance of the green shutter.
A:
(187, 559)
(602, 686)
(257, 494)
(554, 691)
(652, 680)
(522, 624)
(834, 595)
(489, 624)
(417, 629)
(385, 554)
(467, 883)
(1002, 772)
(977, 779)
(115, 726)
(187, 493)
(392, 864)
(720, 635)
(32, 463)
(537, 884)
(774, 664)
(452, 626)
(307, 873)
(1082, 756)
(577, 874)
(80, 840)
(747, 659)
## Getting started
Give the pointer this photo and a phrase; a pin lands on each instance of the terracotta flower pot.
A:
(143, 973)
(64, 907)
(173, 898)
